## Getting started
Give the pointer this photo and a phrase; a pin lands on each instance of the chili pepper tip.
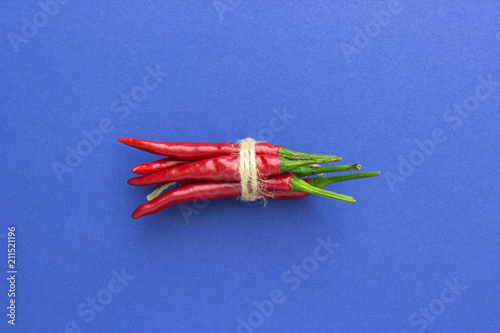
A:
(128, 141)
(133, 181)
(136, 214)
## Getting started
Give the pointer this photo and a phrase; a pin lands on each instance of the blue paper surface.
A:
(410, 89)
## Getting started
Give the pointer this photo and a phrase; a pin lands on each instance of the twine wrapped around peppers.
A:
(249, 174)
(249, 170)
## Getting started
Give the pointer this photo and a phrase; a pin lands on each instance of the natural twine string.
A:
(249, 174)
(247, 168)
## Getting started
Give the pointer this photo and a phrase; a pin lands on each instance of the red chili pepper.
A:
(222, 168)
(164, 163)
(200, 191)
(203, 150)
(300, 172)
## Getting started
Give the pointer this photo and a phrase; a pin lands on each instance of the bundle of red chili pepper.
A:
(208, 171)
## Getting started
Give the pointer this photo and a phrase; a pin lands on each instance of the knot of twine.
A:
(249, 173)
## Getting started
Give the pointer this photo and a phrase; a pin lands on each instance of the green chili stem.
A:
(324, 181)
(288, 165)
(312, 170)
(300, 185)
(295, 155)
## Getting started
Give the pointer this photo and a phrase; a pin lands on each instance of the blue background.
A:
(350, 85)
